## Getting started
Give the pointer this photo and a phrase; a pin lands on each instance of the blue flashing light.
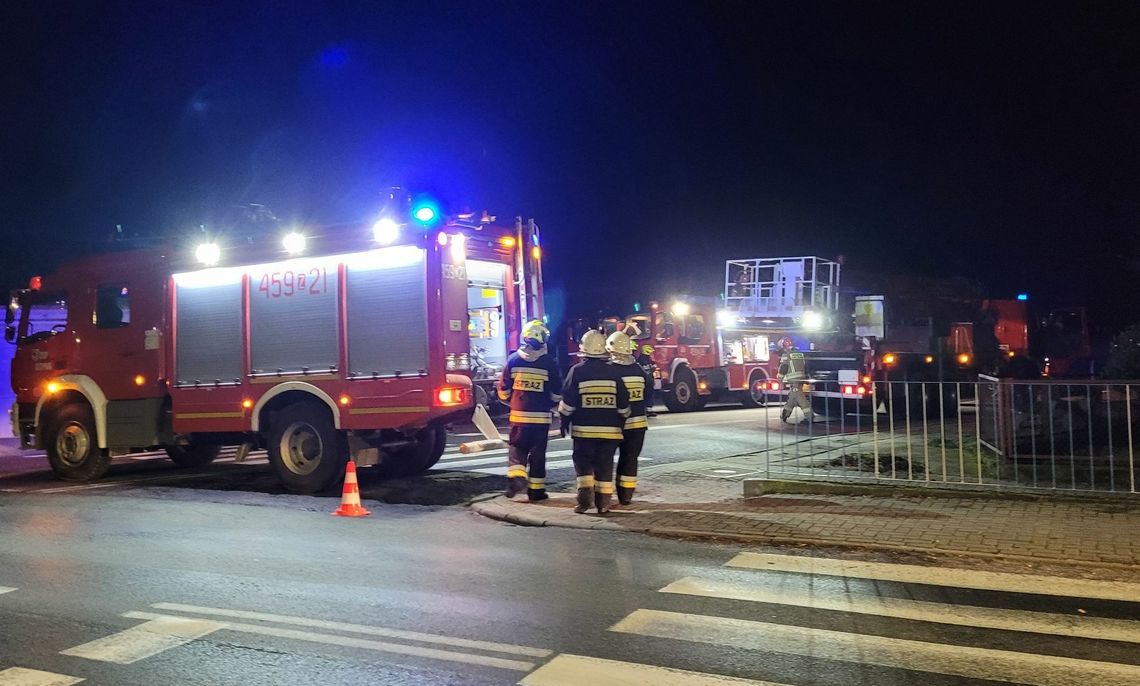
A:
(1023, 296)
(425, 211)
(534, 238)
(637, 307)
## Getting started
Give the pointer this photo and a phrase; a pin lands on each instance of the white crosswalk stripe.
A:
(902, 608)
(749, 579)
(20, 676)
(572, 670)
(898, 653)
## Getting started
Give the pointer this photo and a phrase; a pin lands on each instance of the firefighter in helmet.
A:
(645, 361)
(595, 403)
(639, 385)
(531, 383)
(792, 375)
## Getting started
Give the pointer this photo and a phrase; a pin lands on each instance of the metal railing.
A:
(1056, 436)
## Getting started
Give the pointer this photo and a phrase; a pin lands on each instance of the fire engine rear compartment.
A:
(360, 319)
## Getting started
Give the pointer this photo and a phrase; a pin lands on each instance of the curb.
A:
(753, 488)
(494, 510)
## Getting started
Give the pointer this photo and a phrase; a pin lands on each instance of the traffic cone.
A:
(350, 498)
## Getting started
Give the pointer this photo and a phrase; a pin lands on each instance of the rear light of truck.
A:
(774, 385)
(854, 390)
(449, 396)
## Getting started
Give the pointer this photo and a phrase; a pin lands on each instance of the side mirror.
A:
(9, 324)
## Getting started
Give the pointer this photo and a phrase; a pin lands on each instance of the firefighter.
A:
(531, 383)
(595, 403)
(645, 361)
(639, 385)
(792, 375)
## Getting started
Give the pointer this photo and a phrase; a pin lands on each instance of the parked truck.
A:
(319, 346)
(710, 349)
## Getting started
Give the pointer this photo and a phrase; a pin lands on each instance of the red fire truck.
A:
(317, 346)
(704, 351)
(504, 291)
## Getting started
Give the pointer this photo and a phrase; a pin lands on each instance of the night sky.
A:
(649, 140)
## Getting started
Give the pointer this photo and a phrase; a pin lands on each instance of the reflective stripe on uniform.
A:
(627, 481)
(504, 395)
(516, 471)
(638, 422)
(537, 483)
(524, 417)
(586, 481)
(563, 408)
(605, 487)
(624, 411)
(536, 372)
(598, 385)
(577, 431)
(555, 397)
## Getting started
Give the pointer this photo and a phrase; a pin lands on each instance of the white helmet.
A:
(619, 343)
(593, 344)
(534, 334)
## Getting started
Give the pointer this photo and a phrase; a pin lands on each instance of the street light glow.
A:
(386, 231)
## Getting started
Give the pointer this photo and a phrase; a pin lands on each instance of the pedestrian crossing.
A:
(757, 584)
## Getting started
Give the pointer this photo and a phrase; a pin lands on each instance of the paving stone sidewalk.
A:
(1094, 532)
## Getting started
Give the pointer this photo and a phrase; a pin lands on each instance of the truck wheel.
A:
(72, 449)
(756, 394)
(193, 455)
(416, 458)
(683, 398)
(306, 451)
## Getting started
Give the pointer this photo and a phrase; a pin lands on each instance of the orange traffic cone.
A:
(350, 497)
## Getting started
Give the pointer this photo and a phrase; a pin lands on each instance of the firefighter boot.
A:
(585, 495)
(602, 502)
(626, 486)
(515, 485)
(536, 490)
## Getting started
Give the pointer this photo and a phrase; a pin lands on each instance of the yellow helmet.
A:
(619, 343)
(535, 334)
(593, 344)
(647, 350)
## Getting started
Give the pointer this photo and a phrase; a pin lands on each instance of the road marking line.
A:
(502, 470)
(357, 628)
(6, 589)
(19, 676)
(897, 653)
(941, 576)
(144, 640)
(573, 670)
(493, 460)
(1096, 628)
(348, 641)
(696, 425)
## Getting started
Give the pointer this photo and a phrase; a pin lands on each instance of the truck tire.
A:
(72, 448)
(308, 454)
(683, 396)
(193, 455)
(756, 394)
(417, 458)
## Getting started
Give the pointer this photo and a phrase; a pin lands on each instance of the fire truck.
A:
(706, 349)
(319, 346)
(504, 291)
(913, 338)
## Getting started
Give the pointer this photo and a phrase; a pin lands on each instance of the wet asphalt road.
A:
(218, 577)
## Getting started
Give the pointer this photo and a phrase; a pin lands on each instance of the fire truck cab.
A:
(347, 342)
